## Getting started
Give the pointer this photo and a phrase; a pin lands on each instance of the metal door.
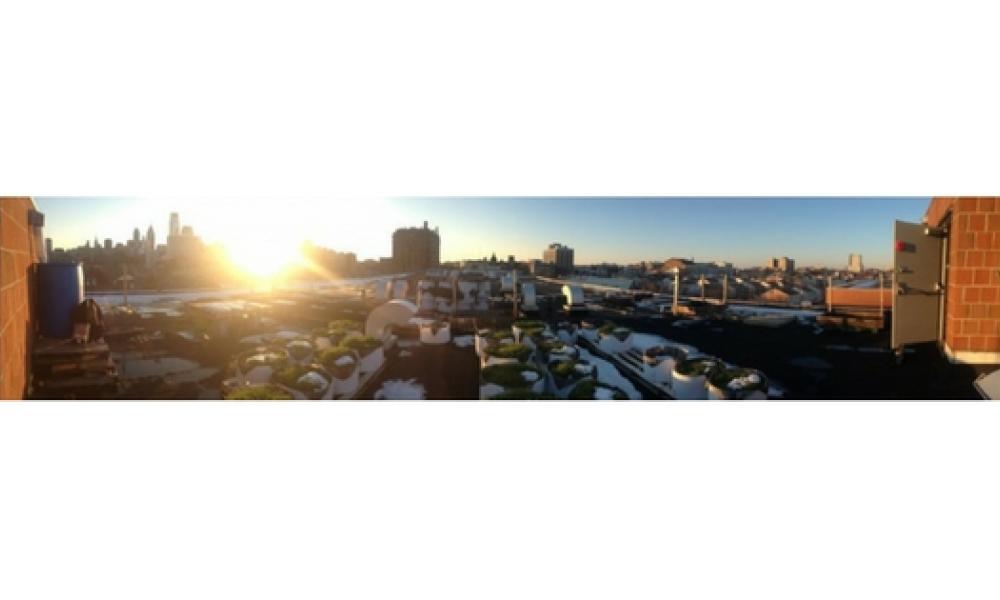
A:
(918, 288)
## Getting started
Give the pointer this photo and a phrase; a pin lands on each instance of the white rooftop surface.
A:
(608, 373)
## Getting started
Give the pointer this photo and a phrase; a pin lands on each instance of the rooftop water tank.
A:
(60, 289)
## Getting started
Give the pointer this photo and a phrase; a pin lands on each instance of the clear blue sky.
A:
(745, 231)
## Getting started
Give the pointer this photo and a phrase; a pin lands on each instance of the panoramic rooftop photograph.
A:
(506, 298)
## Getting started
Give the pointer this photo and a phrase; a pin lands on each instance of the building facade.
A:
(416, 248)
(560, 256)
(783, 264)
(20, 244)
(855, 264)
(970, 331)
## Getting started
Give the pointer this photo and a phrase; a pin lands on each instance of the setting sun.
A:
(263, 259)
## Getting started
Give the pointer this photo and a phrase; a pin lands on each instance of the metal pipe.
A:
(829, 293)
(677, 291)
(881, 301)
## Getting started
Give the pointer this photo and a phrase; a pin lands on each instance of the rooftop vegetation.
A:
(363, 344)
(501, 335)
(563, 369)
(329, 357)
(522, 394)
(696, 366)
(259, 392)
(300, 349)
(738, 382)
(344, 325)
(517, 351)
(262, 357)
(511, 375)
(289, 375)
(657, 351)
(587, 390)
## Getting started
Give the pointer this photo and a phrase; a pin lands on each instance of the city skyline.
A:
(745, 231)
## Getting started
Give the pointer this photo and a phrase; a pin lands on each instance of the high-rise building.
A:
(108, 244)
(136, 236)
(783, 264)
(855, 264)
(149, 250)
(560, 256)
(48, 247)
(416, 248)
(175, 224)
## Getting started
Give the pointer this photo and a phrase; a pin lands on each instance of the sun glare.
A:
(263, 259)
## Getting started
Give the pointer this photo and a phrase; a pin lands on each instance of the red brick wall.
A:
(861, 297)
(972, 316)
(17, 255)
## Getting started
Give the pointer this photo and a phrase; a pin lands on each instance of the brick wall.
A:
(860, 297)
(972, 315)
(17, 255)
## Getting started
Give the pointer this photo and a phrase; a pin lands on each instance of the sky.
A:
(815, 231)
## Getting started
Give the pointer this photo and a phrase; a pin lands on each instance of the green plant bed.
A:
(587, 389)
(621, 333)
(694, 367)
(564, 369)
(522, 394)
(345, 325)
(517, 351)
(529, 324)
(530, 328)
(501, 335)
(510, 376)
(299, 350)
(259, 392)
(261, 358)
(362, 344)
(546, 346)
(289, 377)
(566, 372)
(329, 357)
(723, 377)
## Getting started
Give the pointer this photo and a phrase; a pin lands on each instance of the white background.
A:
(539, 500)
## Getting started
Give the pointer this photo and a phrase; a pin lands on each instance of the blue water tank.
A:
(60, 289)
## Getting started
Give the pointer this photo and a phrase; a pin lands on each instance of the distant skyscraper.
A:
(108, 244)
(136, 236)
(149, 249)
(175, 224)
(560, 256)
(48, 247)
(416, 249)
(854, 264)
(784, 264)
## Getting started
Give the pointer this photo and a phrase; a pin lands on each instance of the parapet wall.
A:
(18, 254)
(972, 299)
